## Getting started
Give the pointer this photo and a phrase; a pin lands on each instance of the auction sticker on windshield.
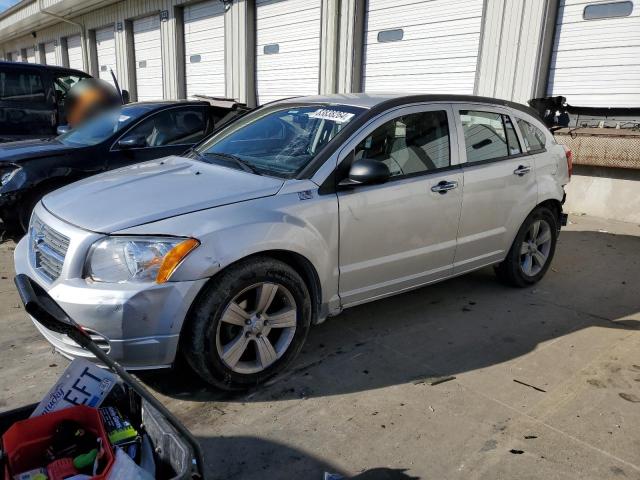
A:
(333, 115)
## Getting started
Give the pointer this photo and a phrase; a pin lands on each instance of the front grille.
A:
(100, 340)
(48, 249)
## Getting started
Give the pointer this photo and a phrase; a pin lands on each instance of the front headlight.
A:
(6, 175)
(137, 259)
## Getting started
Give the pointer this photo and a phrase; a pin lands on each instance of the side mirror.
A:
(62, 129)
(135, 141)
(366, 172)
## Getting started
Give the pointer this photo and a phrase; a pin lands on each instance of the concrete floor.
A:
(547, 380)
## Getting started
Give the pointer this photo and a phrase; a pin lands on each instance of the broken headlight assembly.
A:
(137, 259)
(8, 174)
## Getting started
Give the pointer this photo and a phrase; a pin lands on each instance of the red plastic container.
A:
(61, 469)
(26, 441)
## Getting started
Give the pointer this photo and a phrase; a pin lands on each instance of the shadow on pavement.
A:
(249, 458)
(467, 323)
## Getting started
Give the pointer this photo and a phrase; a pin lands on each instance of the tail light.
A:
(569, 155)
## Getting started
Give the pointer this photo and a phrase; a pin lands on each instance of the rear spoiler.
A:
(555, 111)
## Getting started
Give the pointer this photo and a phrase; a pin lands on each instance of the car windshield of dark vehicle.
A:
(278, 141)
(100, 128)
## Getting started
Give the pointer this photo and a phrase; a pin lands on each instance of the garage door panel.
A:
(573, 13)
(106, 50)
(204, 49)
(594, 58)
(437, 51)
(307, 30)
(294, 69)
(610, 100)
(452, 29)
(596, 62)
(292, 19)
(147, 46)
(433, 83)
(50, 53)
(31, 55)
(74, 52)
(425, 14)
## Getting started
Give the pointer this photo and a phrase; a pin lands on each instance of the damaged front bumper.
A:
(137, 324)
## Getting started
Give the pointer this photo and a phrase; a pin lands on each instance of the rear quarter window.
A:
(534, 139)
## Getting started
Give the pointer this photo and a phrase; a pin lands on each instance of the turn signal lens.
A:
(174, 257)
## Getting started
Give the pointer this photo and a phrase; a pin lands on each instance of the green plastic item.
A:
(85, 460)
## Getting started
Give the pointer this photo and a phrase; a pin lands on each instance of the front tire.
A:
(532, 250)
(248, 324)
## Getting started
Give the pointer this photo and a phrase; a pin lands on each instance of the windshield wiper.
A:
(246, 166)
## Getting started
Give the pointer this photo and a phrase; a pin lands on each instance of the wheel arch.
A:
(301, 264)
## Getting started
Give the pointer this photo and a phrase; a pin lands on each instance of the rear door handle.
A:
(522, 170)
(443, 187)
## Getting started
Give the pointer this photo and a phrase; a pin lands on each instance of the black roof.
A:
(41, 66)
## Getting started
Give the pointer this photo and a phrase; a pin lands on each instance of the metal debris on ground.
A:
(530, 386)
(434, 380)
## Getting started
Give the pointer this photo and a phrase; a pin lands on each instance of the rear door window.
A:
(21, 86)
(534, 138)
(488, 136)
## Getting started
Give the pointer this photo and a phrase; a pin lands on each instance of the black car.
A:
(132, 133)
(32, 98)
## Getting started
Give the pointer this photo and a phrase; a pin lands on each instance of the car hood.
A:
(153, 191)
(29, 149)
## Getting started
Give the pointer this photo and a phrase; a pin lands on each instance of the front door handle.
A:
(443, 187)
(522, 170)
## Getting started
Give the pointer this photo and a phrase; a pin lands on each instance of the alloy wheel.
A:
(256, 328)
(535, 248)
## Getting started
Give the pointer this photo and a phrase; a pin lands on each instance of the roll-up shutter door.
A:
(204, 49)
(74, 51)
(596, 55)
(50, 53)
(148, 51)
(106, 50)
(31, 55)
(422, 46)
(288, 48)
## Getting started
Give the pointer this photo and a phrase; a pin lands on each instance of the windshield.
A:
(100, 128)
(276, 140)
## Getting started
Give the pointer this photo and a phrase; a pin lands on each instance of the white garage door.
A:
(50, 53)
(14, 56)
(204, 48)
(422, 46)
(148, 51)
(31, 55)
(74, 52)
(596, 56)
(106, 50)
(288, 48)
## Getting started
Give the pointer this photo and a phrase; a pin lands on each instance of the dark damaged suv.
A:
(122, 136)
(32, 99)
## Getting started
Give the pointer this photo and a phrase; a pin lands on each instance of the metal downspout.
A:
(83, 33)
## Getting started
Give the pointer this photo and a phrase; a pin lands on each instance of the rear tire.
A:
(248, 324)
(532, 250)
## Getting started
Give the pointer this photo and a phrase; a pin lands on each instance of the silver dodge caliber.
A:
(290, 214)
